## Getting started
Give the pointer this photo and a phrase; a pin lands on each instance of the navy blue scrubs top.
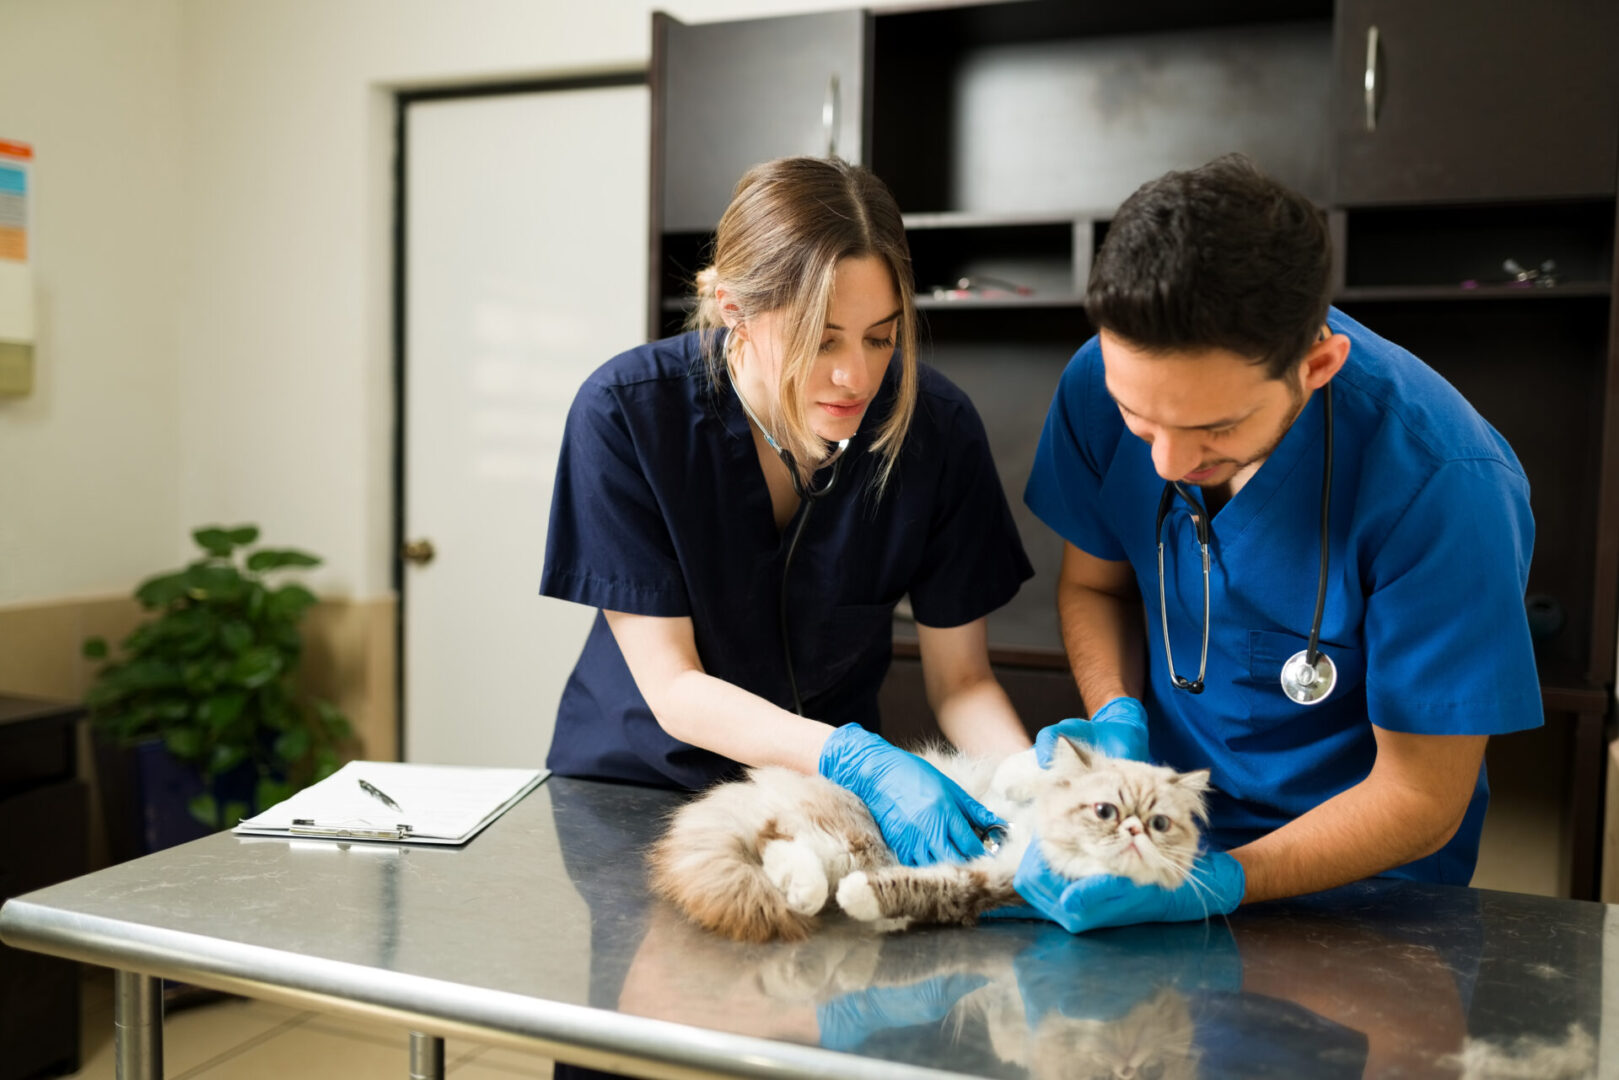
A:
(661, 508)
(1430, 540)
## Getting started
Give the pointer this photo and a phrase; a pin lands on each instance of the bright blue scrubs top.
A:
(661, 508)
(1430, 540)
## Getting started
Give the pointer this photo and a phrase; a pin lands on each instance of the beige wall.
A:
(89, 464)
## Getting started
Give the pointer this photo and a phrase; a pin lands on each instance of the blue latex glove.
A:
(1215, 887)
(850, 1019)
(1119, 729)
(1104, 976)
(924, 815)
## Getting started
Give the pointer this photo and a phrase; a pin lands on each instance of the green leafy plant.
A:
(212, 674)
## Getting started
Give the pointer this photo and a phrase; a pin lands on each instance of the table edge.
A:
(598, 1038)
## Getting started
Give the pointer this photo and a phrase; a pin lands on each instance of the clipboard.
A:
(397, 802)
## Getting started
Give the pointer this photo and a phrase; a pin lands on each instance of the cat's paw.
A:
(797, 871)
(858, 898)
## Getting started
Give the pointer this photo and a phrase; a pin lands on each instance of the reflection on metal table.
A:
(540, 934)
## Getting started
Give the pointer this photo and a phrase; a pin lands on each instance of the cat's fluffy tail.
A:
(717, 877)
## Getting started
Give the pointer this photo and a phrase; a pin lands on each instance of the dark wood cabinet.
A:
(1485, 100)
(736, 93)
(44, 823)
(1009, 133)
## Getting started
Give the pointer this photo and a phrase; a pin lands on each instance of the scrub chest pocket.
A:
(1261, 687)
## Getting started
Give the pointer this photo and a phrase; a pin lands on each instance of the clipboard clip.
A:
(307, 827)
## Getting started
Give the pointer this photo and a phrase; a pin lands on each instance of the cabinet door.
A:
(1488, 99)
(734, 94)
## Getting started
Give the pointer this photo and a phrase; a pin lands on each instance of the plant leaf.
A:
(244, 534)
(226, 757)
(183, 743)
(163, 590)
(150, 674)
(292, 745)
(289, 602)
(214, 583)
(235, 636)
(95, 648)
(235, 811)
(219, 710)
(275, 559)
(172, 709)
(204, 809)
(269, 792)
(255, 667)
(214, 540)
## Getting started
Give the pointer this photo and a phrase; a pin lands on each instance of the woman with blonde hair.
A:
(747, 502)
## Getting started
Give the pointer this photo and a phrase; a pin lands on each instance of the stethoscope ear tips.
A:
(1305, 683)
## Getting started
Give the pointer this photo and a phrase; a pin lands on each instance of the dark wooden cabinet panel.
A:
(43, 840)
(1489, 100)
(1008, 131)
(1041, 696)
(737, 93)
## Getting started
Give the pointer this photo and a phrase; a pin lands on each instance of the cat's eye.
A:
(1159, 823)
(1106, 811)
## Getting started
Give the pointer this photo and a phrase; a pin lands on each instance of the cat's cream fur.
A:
(759, 859)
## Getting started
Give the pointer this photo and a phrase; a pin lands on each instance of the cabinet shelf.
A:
(1381, 293)
(966, 219)
(999, 303)
(683, 305)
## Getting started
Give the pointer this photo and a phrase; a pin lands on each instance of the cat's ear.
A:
(1066, 748)
(1197, 780)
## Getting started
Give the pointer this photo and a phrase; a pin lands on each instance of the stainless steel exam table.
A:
(539, 934)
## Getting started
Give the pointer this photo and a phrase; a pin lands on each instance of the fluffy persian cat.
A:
(758, 859)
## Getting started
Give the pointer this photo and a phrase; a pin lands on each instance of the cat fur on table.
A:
(759, 859)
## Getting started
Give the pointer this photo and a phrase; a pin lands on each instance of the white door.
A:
(525, 269)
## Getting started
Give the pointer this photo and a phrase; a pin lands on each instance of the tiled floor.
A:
(238, 1039)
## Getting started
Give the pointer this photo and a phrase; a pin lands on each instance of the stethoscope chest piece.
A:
(1305, 683)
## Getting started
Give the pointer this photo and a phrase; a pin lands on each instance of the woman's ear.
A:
(730, 312)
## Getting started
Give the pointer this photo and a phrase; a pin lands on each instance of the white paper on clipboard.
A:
(438, 804)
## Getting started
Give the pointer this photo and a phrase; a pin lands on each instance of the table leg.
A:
(426, 1057)
(138, 1026)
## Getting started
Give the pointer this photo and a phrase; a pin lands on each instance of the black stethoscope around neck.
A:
(806, 491)
(1309, 675)
(808, 494)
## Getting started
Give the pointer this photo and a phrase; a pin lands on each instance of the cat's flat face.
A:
(1140, 821)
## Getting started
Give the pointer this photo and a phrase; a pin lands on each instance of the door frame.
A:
(403, 100)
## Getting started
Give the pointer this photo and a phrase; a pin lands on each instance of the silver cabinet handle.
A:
(829, 116)
(1371, 78)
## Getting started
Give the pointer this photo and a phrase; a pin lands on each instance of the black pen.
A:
(377, 793)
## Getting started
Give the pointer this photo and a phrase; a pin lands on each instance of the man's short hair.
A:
(1220, 256)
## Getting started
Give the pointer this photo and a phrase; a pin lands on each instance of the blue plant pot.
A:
(145, 793)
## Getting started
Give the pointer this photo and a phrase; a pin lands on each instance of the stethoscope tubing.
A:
(808, 495)
(1308, 676)
(1326, 508)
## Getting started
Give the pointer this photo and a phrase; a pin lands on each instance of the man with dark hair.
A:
(1329, 615)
